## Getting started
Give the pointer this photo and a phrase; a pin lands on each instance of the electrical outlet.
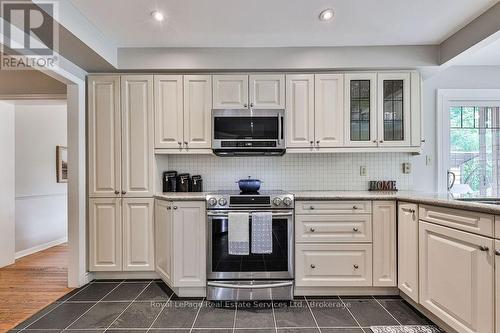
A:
(428, 160)
(362, 170)
(406, 168)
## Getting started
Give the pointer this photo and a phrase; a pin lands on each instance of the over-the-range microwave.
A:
(248, 132)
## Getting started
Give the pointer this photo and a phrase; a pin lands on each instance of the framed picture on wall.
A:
(62, 164)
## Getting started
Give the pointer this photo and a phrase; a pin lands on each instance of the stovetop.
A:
(249, 200)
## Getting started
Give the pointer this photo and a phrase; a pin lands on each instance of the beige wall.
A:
(28, 82)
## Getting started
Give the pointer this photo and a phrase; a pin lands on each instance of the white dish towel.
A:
(262, 233)
(238, 234)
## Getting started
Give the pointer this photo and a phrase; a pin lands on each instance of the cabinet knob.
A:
(381, 141)
(355, 229)
(374, 141)
(117, 192)
(179, 143)
(245, 105)
(317, 142)
(313, 266)
(312, 229)
(311, 142)
(354, 207)
(169, 208)
(175, 207)
(356, 266)
(185, 143)
(251, 105)
(497, 252)
(124, 192)
(483, 248)
(311, 207)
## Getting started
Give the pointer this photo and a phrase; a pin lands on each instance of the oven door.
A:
(249, 126)
(276, 265)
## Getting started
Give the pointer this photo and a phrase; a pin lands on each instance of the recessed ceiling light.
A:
(158, 16)
(326, 15)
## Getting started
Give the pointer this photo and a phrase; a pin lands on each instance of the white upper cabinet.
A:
(300, 110)
(267, 91)
(329, 110)
(137, 135)
(104, 136)
(197, 111)
(408, 249)
(393, 114)
(230, 91)
(456, 270)
(360, 109)
(169, 115)
(138, 234)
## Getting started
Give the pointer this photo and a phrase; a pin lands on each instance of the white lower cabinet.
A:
(497, 285)
(333, 228)
(408, 249)
(180, 243)
(457, 277)
(121, 234)
(333, 265)
(384, 244)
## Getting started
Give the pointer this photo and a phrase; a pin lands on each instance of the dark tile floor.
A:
(150, 306)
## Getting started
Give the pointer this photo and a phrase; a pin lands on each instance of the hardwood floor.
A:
(32, 283)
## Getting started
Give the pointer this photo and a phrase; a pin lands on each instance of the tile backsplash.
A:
(340, 172)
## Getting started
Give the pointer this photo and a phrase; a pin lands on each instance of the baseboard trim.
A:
(41, 247)
(346, 291)
(124, 275)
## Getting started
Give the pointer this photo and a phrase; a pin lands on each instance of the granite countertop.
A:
(409, 196)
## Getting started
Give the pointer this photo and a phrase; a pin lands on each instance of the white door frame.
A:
(447, 98)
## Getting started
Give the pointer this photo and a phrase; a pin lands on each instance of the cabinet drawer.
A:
(333, 207)
(474, 222)
(333, 228)
(333, 265)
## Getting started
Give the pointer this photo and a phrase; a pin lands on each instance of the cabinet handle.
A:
(245, 105)
(374, 141)
(356, 266)
(354, 207)
(497, 252)
(312, 229)
(185, 143)
(117, 192)
(355, 229)
(175, 207)
(311, 207)
(483, 248)
(169, 208)
(179, 143)
(311, 142)
(317, 142)
(251, 105)
(381, 141)
(313, 266)
(124, 192)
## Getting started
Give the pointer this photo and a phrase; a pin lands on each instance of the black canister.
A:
(196, 184)
(183, 180)
(170, 181)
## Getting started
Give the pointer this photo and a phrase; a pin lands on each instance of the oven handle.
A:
(249, 286)
(226, 214)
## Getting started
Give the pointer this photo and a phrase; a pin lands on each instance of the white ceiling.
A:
(260, 23)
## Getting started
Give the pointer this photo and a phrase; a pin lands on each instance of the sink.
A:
(488, 201)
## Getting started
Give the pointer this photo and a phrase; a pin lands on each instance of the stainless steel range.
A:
(253, 276)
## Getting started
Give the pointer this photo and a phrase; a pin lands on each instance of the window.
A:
(474, 149)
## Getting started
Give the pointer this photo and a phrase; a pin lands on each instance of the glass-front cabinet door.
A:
(361, 118)
(393, 109)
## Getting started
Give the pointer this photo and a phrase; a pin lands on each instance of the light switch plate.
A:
(362, 170)
(406, 168)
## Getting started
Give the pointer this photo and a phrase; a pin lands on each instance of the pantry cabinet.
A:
(183, 112)
(408, 249)
(457, 277)
(180, 243)
(120, 136)
(121, 234)
(384, 244)
(104, 136)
